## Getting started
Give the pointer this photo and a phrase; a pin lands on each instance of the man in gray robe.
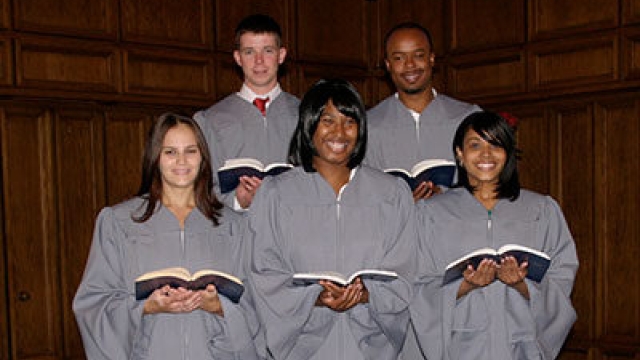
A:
(495, 321)
(235, 127)
(416, 123)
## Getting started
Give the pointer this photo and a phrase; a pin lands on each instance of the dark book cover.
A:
(231, 289)
(229, 175)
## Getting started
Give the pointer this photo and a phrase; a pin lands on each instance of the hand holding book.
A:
(440, 172)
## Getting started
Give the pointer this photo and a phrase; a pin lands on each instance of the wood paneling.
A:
(319, 40)
(556, 18)
(501, 23)
(6, 61)
(574, 63)
(229, 13)
(631, 54)
(80, 194)
(619, 154)
(535, 143)
(494, 73)
(573, 185)
(125, 134)
(81, 18)
(66, 64)
(30, 228)
(4, 17)
(228, 77)
(309, 75)
(184, 23)
(630, 11)
(160, 74)
(393, 12)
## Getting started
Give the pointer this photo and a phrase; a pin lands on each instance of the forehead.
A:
(252, 39)
(407, 40)
(180, 133)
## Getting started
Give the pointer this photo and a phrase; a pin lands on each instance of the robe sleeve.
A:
(550, 301)
(108, 316)
(292, 322)
(238, 334)
(387, 318)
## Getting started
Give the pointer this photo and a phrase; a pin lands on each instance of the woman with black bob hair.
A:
(347, 101)
(174, 221)
(330, 213)
(493, 311)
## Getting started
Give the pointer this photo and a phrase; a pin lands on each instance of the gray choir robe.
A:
(109, 317)
(493, 322)
(235, 128)
(395, 141)
(300, 225)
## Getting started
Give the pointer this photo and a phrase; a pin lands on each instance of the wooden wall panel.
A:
(535, 143)
(619, 154)
(631, 54)
(80, 193)
(228, 77)
(184, 23)
(6, 62)
(502, 72)
(486, 24)
(81, 18)
(4, 19)
(309, 75)
(393, 12)
(572, 354)
(571, 64)
(32, 245)
(556, 18)
(630, 11)
(574, 187)
(49, 63)
(157, 73)
(320, 41)
(4, 292)
(229, 13)
(125, 135)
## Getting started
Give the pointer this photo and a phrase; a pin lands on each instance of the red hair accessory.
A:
(510, 119)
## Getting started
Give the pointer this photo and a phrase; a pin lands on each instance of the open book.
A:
(314, 277)
(229, 174)
(226, 284)
(538, 261)
(438, 171)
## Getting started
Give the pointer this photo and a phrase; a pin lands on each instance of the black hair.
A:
(406, 26)
(347, 100)
(259, 24)
(151, 183)
(494, 129)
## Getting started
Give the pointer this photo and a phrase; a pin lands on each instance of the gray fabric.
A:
(110, 319)
(299, 225)
(395, 142)
(235, 128)
(494, 322)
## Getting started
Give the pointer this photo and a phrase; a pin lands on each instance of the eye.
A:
(270, 50)
(326, 120)
(169, 151)
(193, 150)
(420, 54)
(350, 122)
(247, 52)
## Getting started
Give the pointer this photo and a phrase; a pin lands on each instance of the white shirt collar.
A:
(415, 114)
(248, 94)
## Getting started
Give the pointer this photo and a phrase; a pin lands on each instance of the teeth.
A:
(337, 147)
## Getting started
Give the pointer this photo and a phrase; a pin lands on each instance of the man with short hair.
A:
(416, 123)
(258, 121)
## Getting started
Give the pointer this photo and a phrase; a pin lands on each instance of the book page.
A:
(178, 272)
(515, 247)
(429, 163)
(204, 272)
(240, 162)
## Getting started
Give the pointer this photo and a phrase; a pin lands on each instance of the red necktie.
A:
(261, 104)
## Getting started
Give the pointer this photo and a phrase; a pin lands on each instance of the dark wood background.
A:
(80, 82)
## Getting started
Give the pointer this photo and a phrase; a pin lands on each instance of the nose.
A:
(259, 57)
(410, 63)
(181, 158)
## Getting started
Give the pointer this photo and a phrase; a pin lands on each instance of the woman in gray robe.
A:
(331, 214)
(175, 221)
(494, 311)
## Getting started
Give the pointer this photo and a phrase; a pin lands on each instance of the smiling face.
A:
(259, 56)
(482, 160)
(410, 61)
(334, 140)
(180, 158)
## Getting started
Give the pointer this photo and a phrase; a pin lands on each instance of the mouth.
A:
(337, 146)
(412, 76)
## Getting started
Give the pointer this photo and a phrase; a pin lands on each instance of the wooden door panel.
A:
(32, 246)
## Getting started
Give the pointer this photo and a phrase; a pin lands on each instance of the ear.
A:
(386, 64)
(432, 58)
(282, 54)
(237, 58)
(459, 155)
